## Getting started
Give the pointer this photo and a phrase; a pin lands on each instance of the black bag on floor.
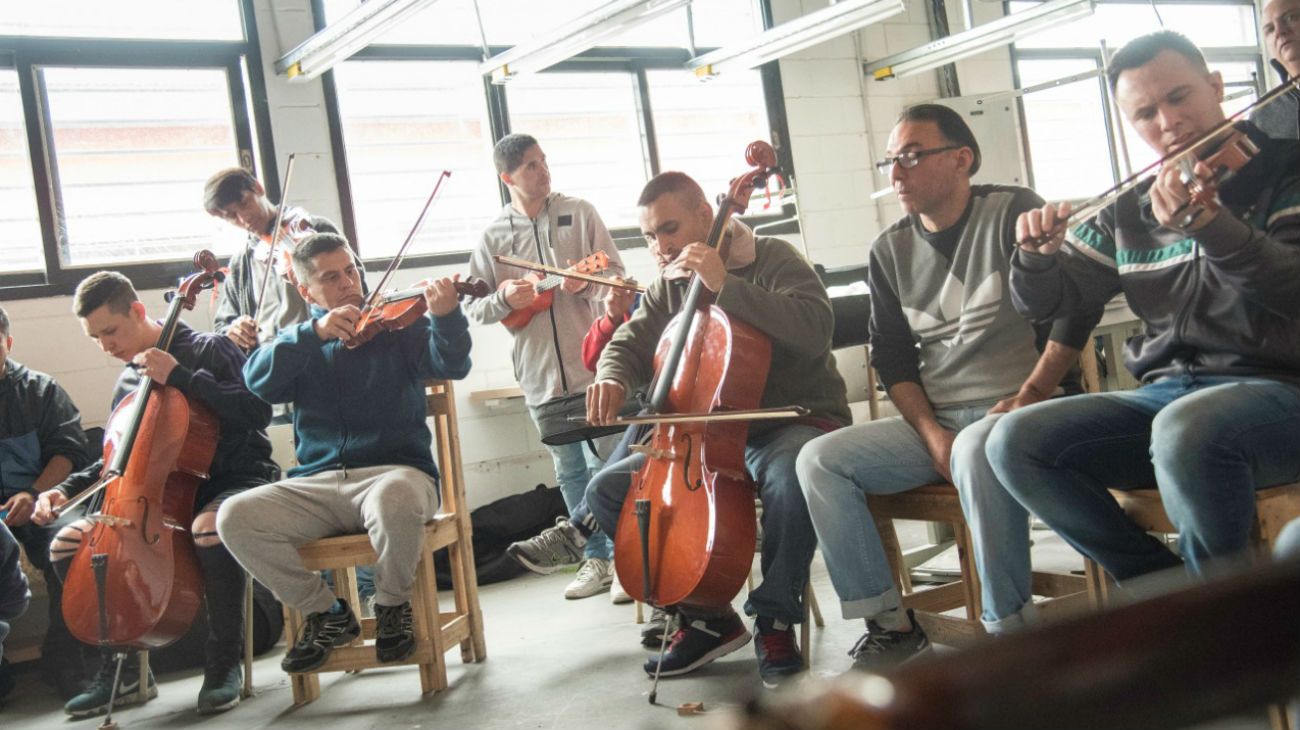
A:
(496, 525)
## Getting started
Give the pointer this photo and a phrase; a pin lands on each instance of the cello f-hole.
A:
(144, 523)
(686, 481)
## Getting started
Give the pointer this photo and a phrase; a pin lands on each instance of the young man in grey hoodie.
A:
(551, 228)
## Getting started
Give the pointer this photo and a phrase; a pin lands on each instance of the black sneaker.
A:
(394, 635)
(881, 648)
(778, 654)
(223, 684)
(660, 622)
(320, 634)
(699, 642)
(94, 701)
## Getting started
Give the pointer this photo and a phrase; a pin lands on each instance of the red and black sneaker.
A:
(699, 642)
(778, 654)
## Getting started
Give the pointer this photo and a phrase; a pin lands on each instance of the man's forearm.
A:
(1052, 365)
(58, 469)
(914, 406)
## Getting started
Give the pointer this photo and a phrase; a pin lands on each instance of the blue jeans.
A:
(1207, 443)
(887, 457)
(575, 465)
(788, 538)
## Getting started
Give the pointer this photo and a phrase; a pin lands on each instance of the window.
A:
(1073, 147)
(590, 129)
(132, 149)
(20, 230)
(403, 122)
(154, 19)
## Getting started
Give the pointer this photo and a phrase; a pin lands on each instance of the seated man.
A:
(951, 350)
(14, 596)
(207, 368)
(768, 285)
(41, 443)
(364, 458)
(1217, 287)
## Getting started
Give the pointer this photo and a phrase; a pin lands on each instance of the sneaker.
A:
(94, 701)
(555, 548)
(617, 595)
(394, 635)
(778, 654)
(223, 684)
(594, 576)
(660, 622)
(698, 643)
(881, 648)
(320, 634)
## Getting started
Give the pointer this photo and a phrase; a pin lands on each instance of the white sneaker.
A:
(594, 576)
(616, 593)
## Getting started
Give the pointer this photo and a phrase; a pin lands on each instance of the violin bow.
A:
(377, 293)
(275, 236)
(566, 273)
(1094, 205)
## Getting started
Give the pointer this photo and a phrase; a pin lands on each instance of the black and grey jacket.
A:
(38, 422)
(1281, 118)
(1224, 300)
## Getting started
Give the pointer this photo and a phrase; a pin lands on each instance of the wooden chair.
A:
(1274, 507)
(436, 631)
(940, 503)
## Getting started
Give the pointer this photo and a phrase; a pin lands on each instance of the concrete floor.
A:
(552, 664)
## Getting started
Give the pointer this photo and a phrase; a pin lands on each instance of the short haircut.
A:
(951, 126)
(226, 187)
(1140, 51)
(311, 247)
(4, 323)
(509, 152)
(672, 182)
(104, 288)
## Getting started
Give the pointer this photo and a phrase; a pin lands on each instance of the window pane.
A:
(201, 19)
(723, 22)
(703, 127)
(404, 122)
(1208, 26)
(20, 232)
(588, 125)
(1066, 128)
(133, 148)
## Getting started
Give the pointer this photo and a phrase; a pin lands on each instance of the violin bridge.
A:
(111, 520)
(653, 453)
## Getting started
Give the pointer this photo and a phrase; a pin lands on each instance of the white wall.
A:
(838, 121)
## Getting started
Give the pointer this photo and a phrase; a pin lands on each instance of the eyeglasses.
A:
(911, 158)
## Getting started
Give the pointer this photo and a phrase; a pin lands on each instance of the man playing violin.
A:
(953, 352)
(364, 459)
(238, 198)
(555, 229)
(1217, 287)
(209, 369)
(770, 286)
(1282, 37)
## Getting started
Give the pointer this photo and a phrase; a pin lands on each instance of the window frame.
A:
(27, 55)
(1221, 54)
(633, 60)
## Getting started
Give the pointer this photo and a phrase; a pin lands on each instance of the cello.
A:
(686, 533)
(134, 581)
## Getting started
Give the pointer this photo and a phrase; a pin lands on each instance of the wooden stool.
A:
(1274, 507)
(940, 503)
(436, 632)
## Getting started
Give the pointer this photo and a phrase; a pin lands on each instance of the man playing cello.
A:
(767, 284)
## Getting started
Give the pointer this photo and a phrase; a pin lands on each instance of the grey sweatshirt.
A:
(548, 350)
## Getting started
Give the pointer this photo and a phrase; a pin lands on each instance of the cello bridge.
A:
(110, 520)
(653, 453)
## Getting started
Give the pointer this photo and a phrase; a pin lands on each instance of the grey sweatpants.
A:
(263, 528)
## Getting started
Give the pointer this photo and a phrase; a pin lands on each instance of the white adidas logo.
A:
(963, 319)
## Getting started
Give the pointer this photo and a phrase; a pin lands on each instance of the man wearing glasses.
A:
(953, 353)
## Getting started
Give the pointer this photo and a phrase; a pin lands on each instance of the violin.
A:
(134, 580)
(400, 309)
(545, 287)
(1224, 162)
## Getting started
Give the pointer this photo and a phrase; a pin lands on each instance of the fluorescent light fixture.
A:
(803, 32)
(344, 37)
(981, 38)
(575, 37)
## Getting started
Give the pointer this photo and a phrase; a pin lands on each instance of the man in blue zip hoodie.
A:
(363, 447)
(1217, 288)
